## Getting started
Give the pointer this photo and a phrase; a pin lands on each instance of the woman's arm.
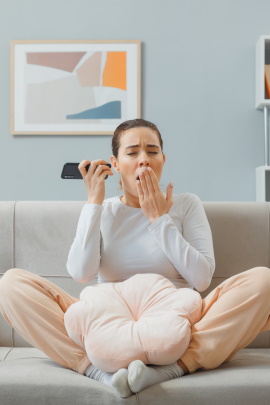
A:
(192, 253)
(84, 255)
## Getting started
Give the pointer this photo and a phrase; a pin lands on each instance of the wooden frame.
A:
(74, 87)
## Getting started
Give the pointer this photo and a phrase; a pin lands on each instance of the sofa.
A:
(37, 235)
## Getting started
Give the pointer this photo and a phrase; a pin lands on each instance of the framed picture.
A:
(74, 87)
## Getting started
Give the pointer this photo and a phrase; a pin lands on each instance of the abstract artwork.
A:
(74, 87)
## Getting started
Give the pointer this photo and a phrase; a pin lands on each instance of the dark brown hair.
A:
(124, 126)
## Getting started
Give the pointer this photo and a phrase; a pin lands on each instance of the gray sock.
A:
(118, 381)
(141, 376)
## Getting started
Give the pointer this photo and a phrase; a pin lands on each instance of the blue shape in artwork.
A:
(109, 110)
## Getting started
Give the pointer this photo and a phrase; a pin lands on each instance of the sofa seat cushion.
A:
(28, 376)
(243, 380)
(39, 380)
(144, 317)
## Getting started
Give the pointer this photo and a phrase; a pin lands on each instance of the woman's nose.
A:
(143, 160)
(144, 163)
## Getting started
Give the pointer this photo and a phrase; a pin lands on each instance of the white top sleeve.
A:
(191, 253)
(84, 255)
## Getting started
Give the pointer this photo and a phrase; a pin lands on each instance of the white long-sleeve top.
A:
(117, 241)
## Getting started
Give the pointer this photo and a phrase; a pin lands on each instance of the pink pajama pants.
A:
(234, 313)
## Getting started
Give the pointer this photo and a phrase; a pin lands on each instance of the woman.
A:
(140, 231)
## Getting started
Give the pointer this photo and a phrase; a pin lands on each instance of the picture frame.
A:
(76, 87)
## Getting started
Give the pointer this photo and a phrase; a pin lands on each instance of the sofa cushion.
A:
(144, 317)
(244, 380)
(28, 376)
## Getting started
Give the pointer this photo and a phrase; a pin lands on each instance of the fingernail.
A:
(144, 168)
(149, 169)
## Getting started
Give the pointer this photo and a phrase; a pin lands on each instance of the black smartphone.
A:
(71, 171)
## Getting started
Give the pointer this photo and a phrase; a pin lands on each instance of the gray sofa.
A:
(37, 235)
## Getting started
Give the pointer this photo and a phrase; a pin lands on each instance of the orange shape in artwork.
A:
(114, 74)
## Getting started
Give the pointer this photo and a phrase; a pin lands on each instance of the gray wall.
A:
(198, 86)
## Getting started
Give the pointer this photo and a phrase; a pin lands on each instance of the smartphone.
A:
(71, 171)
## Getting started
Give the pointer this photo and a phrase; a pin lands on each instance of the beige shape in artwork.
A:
(51, 102)
(89, 72)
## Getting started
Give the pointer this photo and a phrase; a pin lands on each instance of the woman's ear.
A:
(114, 163)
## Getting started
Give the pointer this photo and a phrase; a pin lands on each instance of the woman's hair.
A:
(124, 126)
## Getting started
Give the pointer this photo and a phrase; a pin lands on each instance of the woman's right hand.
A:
(94, 179)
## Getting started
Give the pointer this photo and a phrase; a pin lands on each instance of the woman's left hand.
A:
(152, 201)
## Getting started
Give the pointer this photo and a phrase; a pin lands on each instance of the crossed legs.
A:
(234, 313)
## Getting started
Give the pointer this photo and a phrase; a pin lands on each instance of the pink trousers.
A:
(234, 313)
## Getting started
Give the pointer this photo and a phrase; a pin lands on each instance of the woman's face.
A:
(139, 147)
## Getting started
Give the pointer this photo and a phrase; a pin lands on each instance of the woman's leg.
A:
(35, 308)
(234, 313)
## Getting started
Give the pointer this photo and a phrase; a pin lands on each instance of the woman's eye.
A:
(136, 152)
